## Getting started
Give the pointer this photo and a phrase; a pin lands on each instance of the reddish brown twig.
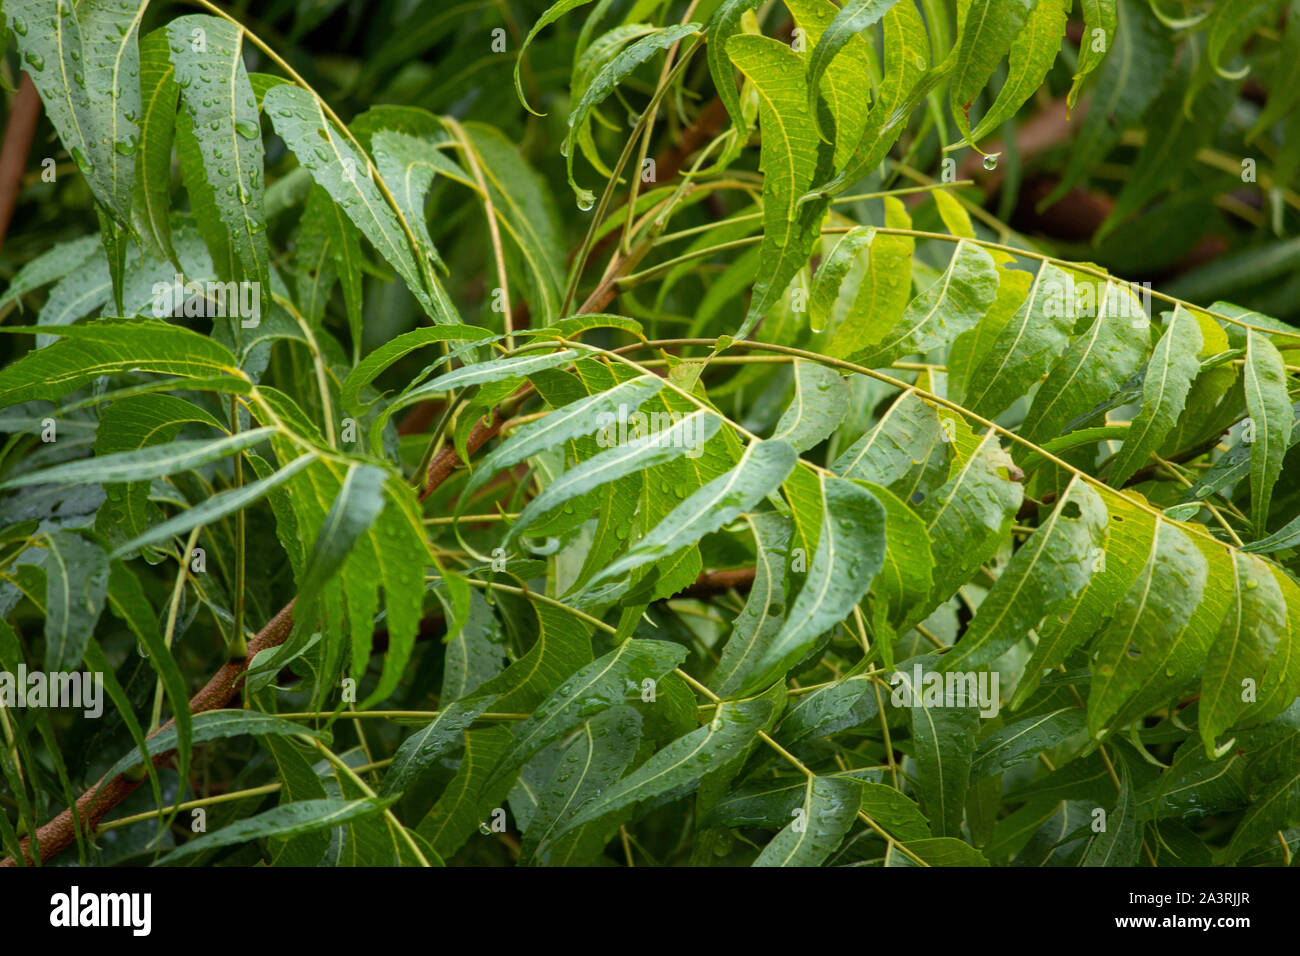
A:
(24, 112)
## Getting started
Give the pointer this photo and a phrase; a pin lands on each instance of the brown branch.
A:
(24, 112)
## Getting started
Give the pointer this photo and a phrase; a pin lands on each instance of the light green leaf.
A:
(1024, 348)
(604, 83)
(86, 352)
(561, 425)
(1269, 405)
(1095, 365)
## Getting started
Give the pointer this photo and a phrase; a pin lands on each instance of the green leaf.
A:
(1269, 405)
(604, 83)
(943, 741)
(76, 580)
(553, 13)
(1161, 630)
(158, 96)
(215, 725)
(370, 367)
(968, 517)
(86, 352)
(495, 370)
(985, 33)
(764, 611)
(1275, 798)
(853, 19)
(218, 506)
(345, 173)
(1095, 365)
(470, 798)
(1033, 51)
(61, 259)
(436, 738)
(1120, 843)
(561, 425)
(1023, 349)
(830, 806)
(152, 462)
(1249, 636)
(934, 318)
(1173, 365)
(850, 552)
(207, 55)
(821, 400)
(590, 762)
(1100, 21)
(354, 511)
(609, 681)
(680, 438)
(127, 600)
(789, 159)
(845, 83)
(760, 471)
(1053, 565)
(683, 762)
(408, 165)
(883, 292)
(908, 79)
(1024, 740)
(286, 820)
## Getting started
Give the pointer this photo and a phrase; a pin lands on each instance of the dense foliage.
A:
(786, 433)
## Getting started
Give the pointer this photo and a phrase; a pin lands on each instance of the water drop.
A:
(246, 130)
(586, 200)
(20, 26)
(35, 60)
(484, 829)
(991, 161)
